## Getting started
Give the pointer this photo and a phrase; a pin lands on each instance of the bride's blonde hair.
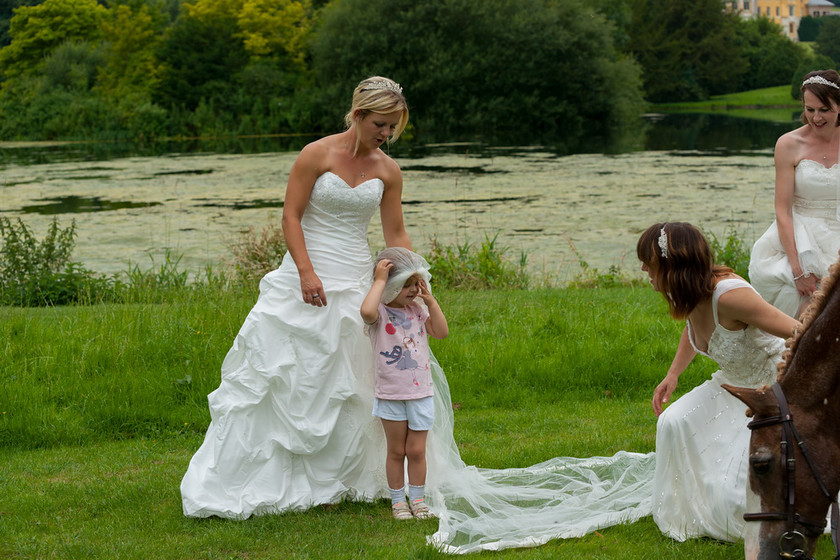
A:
(377, 95)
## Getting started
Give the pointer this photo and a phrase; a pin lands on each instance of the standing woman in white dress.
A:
(700, 482)
(290, 422)
(788, 261)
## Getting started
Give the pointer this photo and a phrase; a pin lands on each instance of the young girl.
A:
(403, 390)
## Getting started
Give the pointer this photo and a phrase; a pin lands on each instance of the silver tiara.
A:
(378, 84)
(663, 242)
(820, 80)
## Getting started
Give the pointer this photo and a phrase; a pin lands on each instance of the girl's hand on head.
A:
(424, 293)
(312, 290)
(382, 270)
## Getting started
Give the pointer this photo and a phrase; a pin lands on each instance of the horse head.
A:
(795, 442)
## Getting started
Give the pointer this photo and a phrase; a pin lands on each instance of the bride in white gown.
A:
(788, 260)
(291, 423)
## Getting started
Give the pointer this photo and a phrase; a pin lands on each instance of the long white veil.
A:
(493, 509)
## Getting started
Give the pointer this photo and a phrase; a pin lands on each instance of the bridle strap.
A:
(789, 437)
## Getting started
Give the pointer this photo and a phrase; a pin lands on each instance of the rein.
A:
(792, 543)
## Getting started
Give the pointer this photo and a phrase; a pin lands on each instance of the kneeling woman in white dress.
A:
(702, 440)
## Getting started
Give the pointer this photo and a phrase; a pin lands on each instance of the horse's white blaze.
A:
(751, 543)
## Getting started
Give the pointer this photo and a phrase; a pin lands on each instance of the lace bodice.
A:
(748, 357)
(335, 227)
(816, 188)
(333, 201)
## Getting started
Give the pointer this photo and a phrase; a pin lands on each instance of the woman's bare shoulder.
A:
(792, 147)
(793, 139)
(317, 154)
(390, 169)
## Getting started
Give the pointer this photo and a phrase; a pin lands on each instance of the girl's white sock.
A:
(416, 492)
(397, 495)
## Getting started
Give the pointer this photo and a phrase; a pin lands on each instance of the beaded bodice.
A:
(748, 357)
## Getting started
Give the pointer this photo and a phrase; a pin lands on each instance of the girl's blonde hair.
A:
(377, 95)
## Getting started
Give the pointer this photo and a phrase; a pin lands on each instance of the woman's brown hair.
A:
(829, 95)
(681, 262)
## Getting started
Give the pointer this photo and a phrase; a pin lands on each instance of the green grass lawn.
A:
(772, 104)
(102, 407)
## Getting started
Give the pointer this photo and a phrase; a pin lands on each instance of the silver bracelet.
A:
(803, 275)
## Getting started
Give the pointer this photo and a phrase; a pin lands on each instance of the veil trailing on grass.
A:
(493, 509)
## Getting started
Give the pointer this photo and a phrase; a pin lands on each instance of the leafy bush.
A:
(41, 273)
(34, 273)
(476, 268)
(594, 278)
(732, 252)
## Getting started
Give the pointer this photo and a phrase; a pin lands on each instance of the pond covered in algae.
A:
(559, 209)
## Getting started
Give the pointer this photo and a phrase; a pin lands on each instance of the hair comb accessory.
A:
(379, 84)
(663, 242)
(820, 80)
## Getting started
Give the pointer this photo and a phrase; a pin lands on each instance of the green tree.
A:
(687, 48)
(772, 57)
(618, 14)
(131, 38)
(58, 101)
(234, 56)
(275, 28)
(531, 66)
(38, 30)
(809, 64)
(828, 40)
(809, 28)
(7, 10)
(200, 56)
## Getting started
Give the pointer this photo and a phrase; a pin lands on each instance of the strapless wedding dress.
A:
(816, 225)
(291, 423)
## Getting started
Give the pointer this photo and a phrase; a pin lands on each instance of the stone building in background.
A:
(786, 13)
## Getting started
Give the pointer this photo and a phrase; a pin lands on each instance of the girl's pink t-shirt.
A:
(401, 353)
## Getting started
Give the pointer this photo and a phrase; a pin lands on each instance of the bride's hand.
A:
(312, 290)
(662, 393)
(807, 285)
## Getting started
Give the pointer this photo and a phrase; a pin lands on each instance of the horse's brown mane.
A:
(818, 302)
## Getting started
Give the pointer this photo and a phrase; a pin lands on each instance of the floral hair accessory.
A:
(820, 80)
(663, 242)
(379, 84)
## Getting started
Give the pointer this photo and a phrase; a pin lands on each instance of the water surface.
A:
(560, 209)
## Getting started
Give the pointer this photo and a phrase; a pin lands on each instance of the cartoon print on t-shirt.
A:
(400, 356)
